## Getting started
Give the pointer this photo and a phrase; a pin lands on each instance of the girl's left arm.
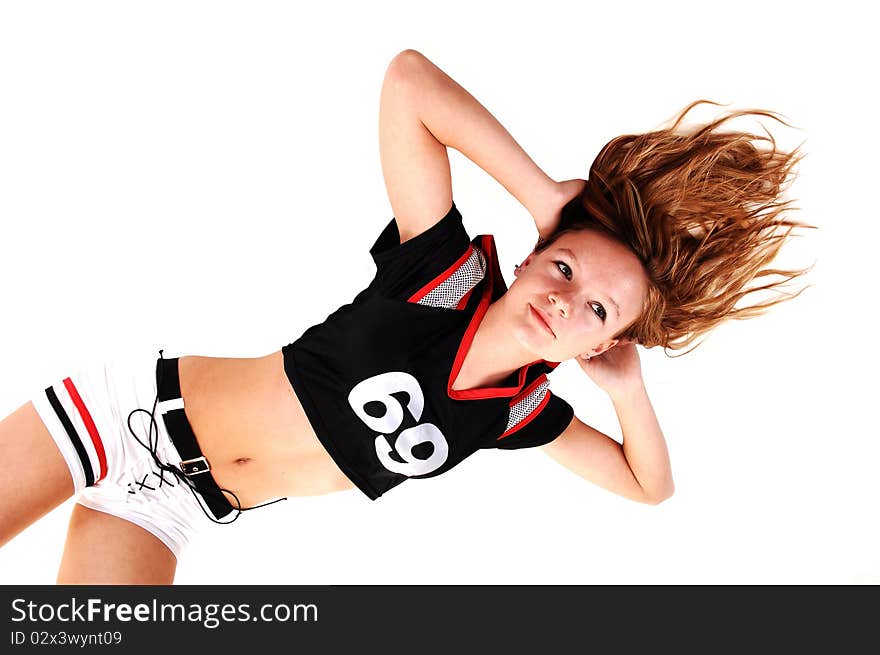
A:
(639, 468)
(643, 442)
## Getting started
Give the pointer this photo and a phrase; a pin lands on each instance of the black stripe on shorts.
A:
(74, 436)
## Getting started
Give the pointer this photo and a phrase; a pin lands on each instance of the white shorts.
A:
(87, 413)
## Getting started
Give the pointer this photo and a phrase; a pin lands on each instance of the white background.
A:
(205, 177)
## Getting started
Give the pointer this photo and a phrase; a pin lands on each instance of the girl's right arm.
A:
(417, 175)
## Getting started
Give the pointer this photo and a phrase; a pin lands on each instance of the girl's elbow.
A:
(656, 499)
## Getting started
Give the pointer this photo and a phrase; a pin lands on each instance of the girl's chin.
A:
(534, 344)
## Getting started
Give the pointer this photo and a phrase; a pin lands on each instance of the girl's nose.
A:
(559, 302)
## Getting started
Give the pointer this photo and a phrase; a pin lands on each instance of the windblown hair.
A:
(702, 211)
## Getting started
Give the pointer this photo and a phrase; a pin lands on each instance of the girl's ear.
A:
(518, 268)
(601, 348)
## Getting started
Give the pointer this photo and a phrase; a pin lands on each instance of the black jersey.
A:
(375, 378)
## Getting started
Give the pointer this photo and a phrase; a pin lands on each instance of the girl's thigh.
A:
(105, 549)
(34, 476)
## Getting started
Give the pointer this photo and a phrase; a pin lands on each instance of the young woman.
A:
(436, 358)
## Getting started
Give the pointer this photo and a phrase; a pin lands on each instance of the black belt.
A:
(194, 465)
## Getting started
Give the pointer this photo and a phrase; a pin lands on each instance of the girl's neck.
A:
(493, 354)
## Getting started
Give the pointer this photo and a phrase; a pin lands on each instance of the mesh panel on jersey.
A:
(450, 292)
(521, 410)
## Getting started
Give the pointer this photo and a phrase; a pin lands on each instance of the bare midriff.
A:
(253, 431)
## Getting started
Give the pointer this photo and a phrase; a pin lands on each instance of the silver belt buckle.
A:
(195, 466)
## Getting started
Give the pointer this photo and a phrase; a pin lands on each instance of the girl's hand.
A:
(547, 216)
(615, 371)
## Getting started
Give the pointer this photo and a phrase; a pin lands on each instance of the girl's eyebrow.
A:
(571, 254)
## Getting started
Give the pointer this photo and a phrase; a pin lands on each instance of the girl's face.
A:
(573, 297)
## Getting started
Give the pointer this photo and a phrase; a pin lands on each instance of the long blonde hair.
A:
(702, 210)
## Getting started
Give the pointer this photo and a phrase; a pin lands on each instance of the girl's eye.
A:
(564, 269)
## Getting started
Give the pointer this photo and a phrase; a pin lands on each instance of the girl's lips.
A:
(542, 320)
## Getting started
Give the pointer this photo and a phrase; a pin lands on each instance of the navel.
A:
(242, 460)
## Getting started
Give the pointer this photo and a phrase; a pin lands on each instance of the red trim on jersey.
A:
(440, 279)
(494, 273)
(90, 426)
(464, 301)
(528, 419)
(525, 392)
(520, 396)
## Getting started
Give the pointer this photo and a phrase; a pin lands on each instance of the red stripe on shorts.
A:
(90, 425)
